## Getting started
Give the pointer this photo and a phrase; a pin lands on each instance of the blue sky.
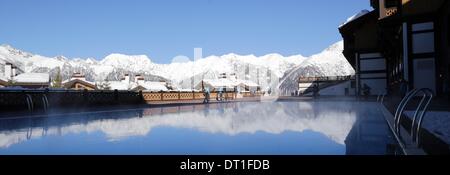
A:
(164, 29)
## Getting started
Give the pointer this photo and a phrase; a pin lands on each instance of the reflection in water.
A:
(331, 119)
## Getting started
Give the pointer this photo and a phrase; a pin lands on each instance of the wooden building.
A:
(31, 80)
(362, 51)
(78, 82)
(412, 36)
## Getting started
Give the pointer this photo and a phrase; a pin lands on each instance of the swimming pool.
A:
(244, 128)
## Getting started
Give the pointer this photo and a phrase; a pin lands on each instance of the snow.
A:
(120, 85)
(153, 86)
(354, 17)
(32, 78)
(436, 122)
(219, 83)
(246, 83)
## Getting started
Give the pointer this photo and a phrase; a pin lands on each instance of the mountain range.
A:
(269, 70)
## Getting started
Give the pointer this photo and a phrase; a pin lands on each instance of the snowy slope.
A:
(330, 62)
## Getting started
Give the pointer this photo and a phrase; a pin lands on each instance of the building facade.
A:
(411, 36)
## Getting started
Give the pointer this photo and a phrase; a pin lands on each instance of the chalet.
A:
(247, 86)
(141, 85)
(14, 77)
(228, 83)
(32, 80)
(411, 40)
(124, 83)
(78, 82)
(221, 84)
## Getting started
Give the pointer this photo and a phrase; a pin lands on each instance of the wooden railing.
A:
(176, 96)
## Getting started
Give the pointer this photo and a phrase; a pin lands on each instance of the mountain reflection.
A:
(334, 120)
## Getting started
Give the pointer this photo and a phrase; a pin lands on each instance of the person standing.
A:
(315, 90)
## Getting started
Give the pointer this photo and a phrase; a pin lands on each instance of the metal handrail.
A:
(382, 98)
(419, 112)
(45, 102)
(29, 100)
(401, 107)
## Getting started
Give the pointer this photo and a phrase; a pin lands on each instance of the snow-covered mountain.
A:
(114, 66)
(330, 62)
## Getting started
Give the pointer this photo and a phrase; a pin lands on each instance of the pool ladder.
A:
(421, 110)
(29, 100)
(30, 104)
(380, 97)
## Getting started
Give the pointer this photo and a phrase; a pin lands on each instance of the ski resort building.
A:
(13, 76)
(78, 82)
(32, 80)
(139, 84)
(361, 50)
(401, 42)
(229, 83)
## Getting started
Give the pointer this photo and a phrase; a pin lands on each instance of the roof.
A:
(35, 78)
(217, 83)
(358, 19)
(151, 86)
(247, 83)
(227, 83)
(119, 85)
(68, 83)
(354, 17)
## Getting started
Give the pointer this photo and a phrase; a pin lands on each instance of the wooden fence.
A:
(179, 96)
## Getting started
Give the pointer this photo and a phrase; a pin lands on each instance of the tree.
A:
(57, 82)
(104, 85)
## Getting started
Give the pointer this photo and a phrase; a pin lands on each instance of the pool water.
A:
(247, 128)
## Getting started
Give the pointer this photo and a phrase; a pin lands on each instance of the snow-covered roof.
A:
(217, 83)
(32, 78)
(152, 86)
(119, 85)
(227, 83)
(354, 17)
(77, 78)
(246, 83)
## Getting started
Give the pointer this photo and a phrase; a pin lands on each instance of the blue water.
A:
(268, 128)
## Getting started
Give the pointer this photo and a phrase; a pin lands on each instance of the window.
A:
(391, 3)
(448, 29)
